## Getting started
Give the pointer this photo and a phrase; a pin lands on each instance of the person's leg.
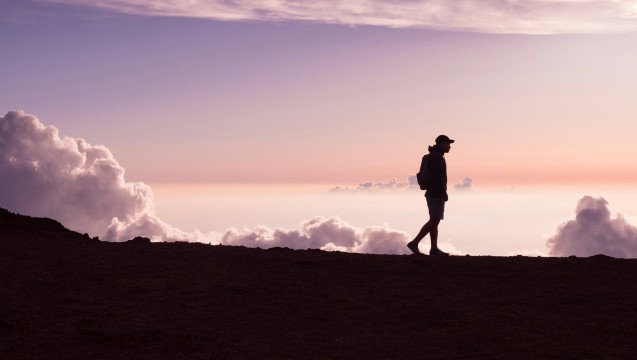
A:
(433, 232)
(423, 232)
(431, 227)
(436, 211)
(413, 245)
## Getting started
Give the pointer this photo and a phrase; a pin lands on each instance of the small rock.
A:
(139, 240)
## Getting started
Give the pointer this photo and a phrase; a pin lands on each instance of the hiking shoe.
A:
(413, 248)
(437, 252)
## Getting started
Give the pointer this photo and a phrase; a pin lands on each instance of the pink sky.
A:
(184, 100)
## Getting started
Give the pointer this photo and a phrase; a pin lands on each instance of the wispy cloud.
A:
(371, 186)
(395, 185)
(486, 16)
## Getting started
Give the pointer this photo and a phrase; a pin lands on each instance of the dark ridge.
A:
(601, 257)
(65, 296)
(15, 222)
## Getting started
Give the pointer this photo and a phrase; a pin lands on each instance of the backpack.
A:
(423, 175)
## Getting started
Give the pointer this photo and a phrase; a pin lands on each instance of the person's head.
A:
(444, 143)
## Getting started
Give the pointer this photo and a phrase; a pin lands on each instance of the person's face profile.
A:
(445, 146)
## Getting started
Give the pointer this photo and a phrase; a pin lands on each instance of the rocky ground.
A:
(64, 295)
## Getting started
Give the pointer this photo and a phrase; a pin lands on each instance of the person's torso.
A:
(438, 185)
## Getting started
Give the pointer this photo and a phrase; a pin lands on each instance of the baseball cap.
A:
(444, 138)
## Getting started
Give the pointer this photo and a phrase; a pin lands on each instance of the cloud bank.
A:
(594, 231)
(331, 234)
(371, 186)
(83, 186)
(395, 185)
(485, 16)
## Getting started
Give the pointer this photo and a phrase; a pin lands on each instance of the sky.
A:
(536, 93)
(191, 99)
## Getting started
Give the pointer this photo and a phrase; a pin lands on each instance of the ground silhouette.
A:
(64, 295)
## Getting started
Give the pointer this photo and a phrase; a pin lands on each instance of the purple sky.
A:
(183, 99)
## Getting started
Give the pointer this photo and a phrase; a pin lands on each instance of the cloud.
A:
(395, 185)
(485, 16)
(464, 185)
(413, 182)
(83, 186)
(332, 234)
(450, 248)
(371, 186)
(74, 182)
(593, 231)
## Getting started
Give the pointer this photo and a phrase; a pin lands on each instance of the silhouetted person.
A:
(436, 194)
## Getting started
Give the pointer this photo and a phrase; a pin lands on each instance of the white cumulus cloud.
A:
(332, 234)
(486, 16)
(594, 231)
(79, 184)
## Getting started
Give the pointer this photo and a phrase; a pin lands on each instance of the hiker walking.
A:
(433, 178)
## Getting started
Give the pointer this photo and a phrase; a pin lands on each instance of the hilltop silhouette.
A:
(69, 296)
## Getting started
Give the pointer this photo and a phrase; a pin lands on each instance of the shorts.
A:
(436, 207)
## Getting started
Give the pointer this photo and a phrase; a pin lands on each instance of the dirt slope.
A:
(66, 296)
